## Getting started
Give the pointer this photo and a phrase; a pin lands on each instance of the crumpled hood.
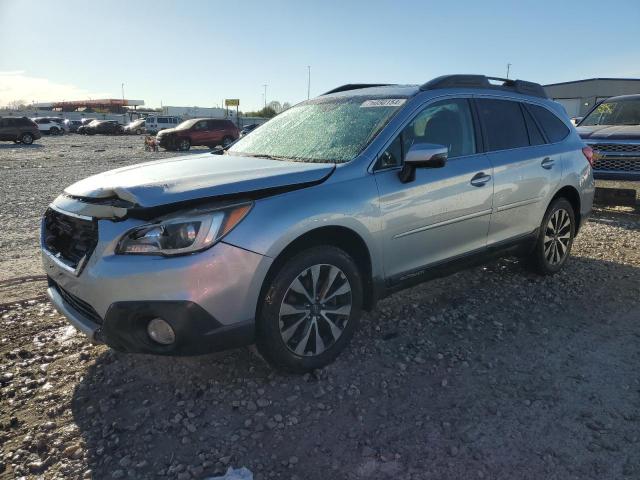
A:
(610, 132)
(194, 177)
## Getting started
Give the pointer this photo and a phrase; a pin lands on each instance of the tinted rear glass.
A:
(503, 124)
(535, 136)
(553, 127)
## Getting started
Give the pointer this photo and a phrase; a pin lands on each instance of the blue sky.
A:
(199, 52)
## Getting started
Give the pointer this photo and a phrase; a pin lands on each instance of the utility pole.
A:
(265, 94)
(508, 68)
(123, 114)
(308, 81)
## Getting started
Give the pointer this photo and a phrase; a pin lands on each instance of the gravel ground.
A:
(490, 373)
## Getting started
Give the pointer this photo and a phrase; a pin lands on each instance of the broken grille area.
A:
(68, 238)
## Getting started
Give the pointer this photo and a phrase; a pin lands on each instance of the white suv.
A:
(49, 126)
(155, 124)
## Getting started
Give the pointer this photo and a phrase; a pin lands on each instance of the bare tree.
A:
(17, 105)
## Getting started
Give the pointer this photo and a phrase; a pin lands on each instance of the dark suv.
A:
(612, 130)
(18, 130)
(105, 127)
(198, 131)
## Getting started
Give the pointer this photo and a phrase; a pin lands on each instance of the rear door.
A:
(445, 212)
(525, 169)
(8, 129)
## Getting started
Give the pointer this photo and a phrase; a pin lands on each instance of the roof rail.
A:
(482, 81)
(355, 86)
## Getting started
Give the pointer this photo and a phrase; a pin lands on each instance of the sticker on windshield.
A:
(384, 102)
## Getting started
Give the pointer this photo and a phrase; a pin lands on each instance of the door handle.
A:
(547, 163)
(480, 179)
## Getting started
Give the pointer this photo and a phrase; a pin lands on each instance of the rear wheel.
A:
(310, 309)
(54, 131)
(26, 138)
(555, 239)
(184, 144)
(226, 141)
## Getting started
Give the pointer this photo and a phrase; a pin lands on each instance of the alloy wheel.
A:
(315, 310)
(557, 237)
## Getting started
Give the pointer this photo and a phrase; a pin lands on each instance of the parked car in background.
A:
(87, 121)
(48, 126)
(612, 130)
(74, 125)
(104, 127)
(198, 131)
(137, 127)
(247, 128)
(63, 122)
(19, 130)
(156, 124)
(330, 206)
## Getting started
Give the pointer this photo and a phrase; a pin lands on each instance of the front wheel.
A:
(310, 309)
(184, 144)
(555, 238)
(26, 138)
(53, 131)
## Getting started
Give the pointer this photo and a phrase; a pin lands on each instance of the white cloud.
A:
(17, 85)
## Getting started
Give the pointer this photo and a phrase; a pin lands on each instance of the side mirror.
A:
(422, 155)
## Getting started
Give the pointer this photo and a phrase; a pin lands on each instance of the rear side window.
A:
(535, 136)
(553, 127)
(162, 120)
(503, 124)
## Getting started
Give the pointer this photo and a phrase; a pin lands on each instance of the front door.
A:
(445, 212)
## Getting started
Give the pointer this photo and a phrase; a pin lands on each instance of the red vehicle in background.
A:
(198, 131)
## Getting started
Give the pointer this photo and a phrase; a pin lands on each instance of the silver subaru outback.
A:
(285, 237)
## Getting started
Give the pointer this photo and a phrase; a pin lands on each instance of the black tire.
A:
(26, 138)
(270, 341)
(54, 131)
(138, 131)
(553, 246)
(226, 141)
(183, 144)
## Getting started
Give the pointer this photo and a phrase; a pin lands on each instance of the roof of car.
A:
(456, 81)
(376, 90)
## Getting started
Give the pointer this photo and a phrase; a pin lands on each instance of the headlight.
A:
(180, 235)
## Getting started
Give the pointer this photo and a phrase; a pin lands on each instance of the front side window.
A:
(447, 122)
(553, 127)
(326, 129)
(622, 112)
(503, 123)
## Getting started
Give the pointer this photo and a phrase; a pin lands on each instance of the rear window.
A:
(535, 136)
(553, 127)
(503, 124)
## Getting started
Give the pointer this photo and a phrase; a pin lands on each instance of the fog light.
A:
(161, 332)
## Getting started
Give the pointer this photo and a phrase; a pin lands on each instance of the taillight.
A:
(588, 154)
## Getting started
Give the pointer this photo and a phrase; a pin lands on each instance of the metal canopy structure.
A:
(112, 105)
